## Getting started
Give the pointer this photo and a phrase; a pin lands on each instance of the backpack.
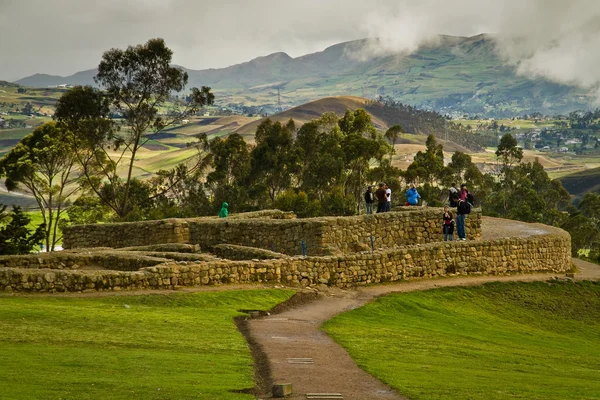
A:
(471, 199)
(453, 197)
(464, 207)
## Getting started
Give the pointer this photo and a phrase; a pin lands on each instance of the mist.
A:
(550, 39)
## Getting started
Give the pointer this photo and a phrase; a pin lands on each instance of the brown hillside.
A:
(309, 111)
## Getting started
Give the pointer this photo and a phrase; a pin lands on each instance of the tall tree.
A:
(392, 134)
(508, 151)
(44, 163)
(275, 158)
(139, 84)
(231, 163)
(431, 162)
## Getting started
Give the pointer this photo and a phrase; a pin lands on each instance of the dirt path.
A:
(296, 333)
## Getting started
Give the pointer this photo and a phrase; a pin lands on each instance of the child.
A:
(448, 225)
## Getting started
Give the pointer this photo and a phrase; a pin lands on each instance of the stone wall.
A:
(548, 252)
(122, 261)
(235, 252)
(126, 234)
(321, 236)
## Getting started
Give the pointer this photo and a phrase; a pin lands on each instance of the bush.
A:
(298, 202)
(15, 237)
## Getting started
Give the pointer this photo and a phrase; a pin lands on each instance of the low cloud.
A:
(550, 39)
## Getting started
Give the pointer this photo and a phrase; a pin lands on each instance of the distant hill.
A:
(459, 74)
(419, 122)
(8, 84)
(580, 182)
(44, 80)
(312, 110)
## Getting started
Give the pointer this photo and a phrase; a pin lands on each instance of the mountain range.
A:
(455, 75)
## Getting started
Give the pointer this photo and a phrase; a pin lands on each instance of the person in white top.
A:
(388, 194)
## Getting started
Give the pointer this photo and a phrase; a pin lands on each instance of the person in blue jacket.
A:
(412, 196)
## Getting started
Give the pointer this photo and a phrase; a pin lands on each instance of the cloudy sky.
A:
(555, 39)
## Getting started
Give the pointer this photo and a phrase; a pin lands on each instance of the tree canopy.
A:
(137, 85)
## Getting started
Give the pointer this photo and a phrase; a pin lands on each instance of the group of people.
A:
(463, 201)
(383, 195)
(460, 199)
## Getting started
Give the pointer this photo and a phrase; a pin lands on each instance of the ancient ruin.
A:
(276, 247)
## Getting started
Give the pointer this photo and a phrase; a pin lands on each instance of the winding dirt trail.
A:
(290, 338)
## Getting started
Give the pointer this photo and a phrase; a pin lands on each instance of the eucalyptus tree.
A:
(137, 86)
(44, 163)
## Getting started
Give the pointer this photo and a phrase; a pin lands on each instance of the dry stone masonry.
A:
(407, 244)
(321, 236)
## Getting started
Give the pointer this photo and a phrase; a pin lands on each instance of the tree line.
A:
(414, 120)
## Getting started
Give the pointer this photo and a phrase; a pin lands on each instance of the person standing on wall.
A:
(448, 224)
(412, 196)
(381, 198)
(463, 192)
(388, 195)
(453, 196)
(369, 200)
(464, 208)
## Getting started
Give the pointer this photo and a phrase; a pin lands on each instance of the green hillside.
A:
(457, 75)
(579, 183)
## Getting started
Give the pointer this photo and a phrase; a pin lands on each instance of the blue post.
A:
(372, 243)
(303, 248)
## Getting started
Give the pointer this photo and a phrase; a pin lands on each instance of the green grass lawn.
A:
(498, 341)
(171, 346)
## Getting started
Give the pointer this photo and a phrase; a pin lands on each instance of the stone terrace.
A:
(266, 248)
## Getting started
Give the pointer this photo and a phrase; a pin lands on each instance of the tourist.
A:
(381, 198)
(463, 192)
(369, 200)
(453, 196)
(448, 225)
(388, 195)
(412, 196)
(462, 210)
(224, 213)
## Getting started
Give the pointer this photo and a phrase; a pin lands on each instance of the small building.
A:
(563, 149)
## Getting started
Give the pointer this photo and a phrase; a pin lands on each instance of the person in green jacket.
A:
(224, 213)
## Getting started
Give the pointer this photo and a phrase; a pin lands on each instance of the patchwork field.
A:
(497, 341)
(171, 346)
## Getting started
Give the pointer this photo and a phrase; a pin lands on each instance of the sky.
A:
(554, 39)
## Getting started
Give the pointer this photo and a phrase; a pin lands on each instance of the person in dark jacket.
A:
(448, 225)
(369, 200)
(381, 198)
(453, 196)
(462, 210)
(224, 213)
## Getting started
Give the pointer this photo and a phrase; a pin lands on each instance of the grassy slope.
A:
(581, 182)
(176, 346)
(499, 341)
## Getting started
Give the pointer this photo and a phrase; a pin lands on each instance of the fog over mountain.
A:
(553, 39)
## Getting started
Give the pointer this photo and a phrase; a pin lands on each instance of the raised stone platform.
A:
(504, 247)
(321, 236)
